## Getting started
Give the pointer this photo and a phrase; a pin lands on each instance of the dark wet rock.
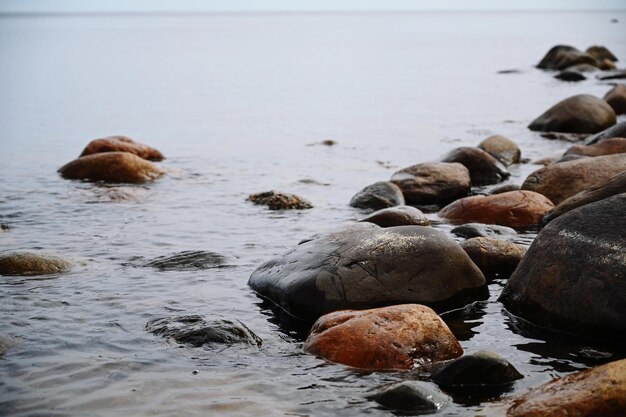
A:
(326, 142)
(582, 113)
(563, 56)
(398, 216)
(617, 131)
(394, 337)
(280, 201)
(470, 230)
(122, 144)
(377, 196)
(510, 71)
(570, 157)
(118, 167)
(600, 53)
(31, 263)
(6, 343)
(613, 186)
(194, 330)
(494, 257)
(515, 209)
(606, 147)
(503, 149)
(188, 261)
(563, 180)
(505, 189)
(570, 75)
(433, 183)
(482, 371)
(364, 266)
(411, 396)
(616, 98)
(612, 75)
(572, 277)
(483, 168)
(4, 228)
(594, 392)
(568, 137)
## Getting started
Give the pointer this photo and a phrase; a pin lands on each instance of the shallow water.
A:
(237, 103)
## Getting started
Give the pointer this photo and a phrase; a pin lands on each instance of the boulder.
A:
(617, 131)
(122, 144)
(570, 75)
(411, 396)
(503, 149)
(582, 113)
(32, 263)
(483, 168)
(398, 216)
(594, 392)
(470, 230)
(494, 257)
(195, 331)
(191, 260)
(118, 167)
(563, 56)
(394, 337)
(563, 180)
(613, 186)
(570, 157)
(364, 266)
(600, 53)
(616, 98)
(433, 183)
(378, 196)
(572, 277)
(515, 209)
(504, 189)
(279, 201)
(606, 147)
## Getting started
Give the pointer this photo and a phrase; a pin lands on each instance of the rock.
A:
(194, 330)
(613, 75)
(503, 149)
(411, 396)
(483, 168)
(617, 131)
(545, 161)
(606, 65)
(606, 147)
(570, 157)
(570, 75)
(572, 277)
(515, 209)
(394, 337)
(616, 98)
(494, 256)
(4, 228)
(509, 71)
(119, 167)
(613, 186)
(568, 137)
(583, 68)
(398, 216)
(364, 266)
(470, 230)
(32, 263)
(504, 189)
(433, 183)
(122, 144)
(601, 53)
(563, 180)
(188, 261)
(482, 371)
(280, 201)
(377, 196)
(599, 391)
(563, 56)
(6, 343)
(582, 113)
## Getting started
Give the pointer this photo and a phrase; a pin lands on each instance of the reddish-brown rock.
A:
(118, 167)
(398, 216)
(493, 256)
(513, 208)
(395, 337)
(122, 144)
(582, 113)
(433, 182)
(501, 148)
(563, 180)
(594, 392)
(606, 147)
(616, 98)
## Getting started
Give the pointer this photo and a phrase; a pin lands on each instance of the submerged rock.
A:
(122, 144)
(617, 131)
(483, 168)
(594, 392)
(433, 183)
(31, 263)
(280, 201)
(118, 167)
(502, 148)
(194, 330)
(613, 75)
(364, 266)
(4, 228)
(570, 75)
(398, 216)
(493, 256)
(394, 337)
(582, 113)
(6, 343)
(411, 396)
(563, 56)
(606, 147)
(616, 98)
(470, 230)
(377, 196)
(188, 261)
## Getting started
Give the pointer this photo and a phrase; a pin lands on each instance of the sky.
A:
(62, 6)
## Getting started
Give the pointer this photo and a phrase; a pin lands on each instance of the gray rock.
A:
(6, 343)
(582, 113)
(433, 183)
(398, 216)
(483, 168)
(412, 396)
(188, 261)
(377, 196)
(563, 56)
(279, 201)
(570, 75)
(32, 263)
(617, 131)
(470, 230)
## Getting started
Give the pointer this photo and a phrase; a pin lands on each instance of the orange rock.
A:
(593, 392)
(394, 337)
(513, 208)
(122, 144)
(116, 167)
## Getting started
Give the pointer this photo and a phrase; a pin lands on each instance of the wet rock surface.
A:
(32, 263)
(600, 53)
(6, 343)
(433, 182)
(483, 168)
(365, 266)
(117, 167)
(570, 75)
(504, 189)
(616, 98)
(394, 337)
(188, 261)
(613, 75)
(279, 201)
(195, 331)
(493, 256)
(563, 56)
(502, 148)
(605, 147)
(378, 196)
(122, 144)
(470, 230)
(582, 113)
(617, 131)
(398, 216)
(411, 396)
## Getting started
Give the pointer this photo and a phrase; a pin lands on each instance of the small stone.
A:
(494, 257)
(188, 261)
(505, 189)
(31, 263)
(377, 196)
(570, 75)
(411, 396)
(470, 230)
(502, 148)
(398, 216)
(280, 201)
(433, 183)
(483, 168)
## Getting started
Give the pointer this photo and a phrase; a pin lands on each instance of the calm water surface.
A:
(234, 101)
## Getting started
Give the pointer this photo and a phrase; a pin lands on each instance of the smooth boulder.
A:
(600, 53)
(483, 168)
(617, 131)
(572, 277)
(117, 167)
(514, 209)
(570, 75)
(561, 181)
(470, 230)
(363, 266)
(433, 183)
(606, 147)
(563, 56)
(378, 196)
(32, 263)
(582, 113)
(122, 144)
(494, 257)
(394, 337)
(192, 260)
(502, 148)
(616, 98)
(279, 201)
(411, 396)
(398, 216)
